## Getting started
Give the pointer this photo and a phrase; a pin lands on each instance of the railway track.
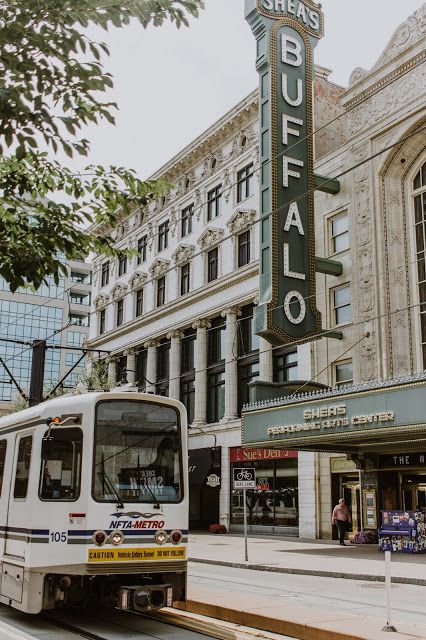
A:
(168, 624)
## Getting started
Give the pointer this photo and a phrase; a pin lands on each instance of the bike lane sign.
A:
(244, 478)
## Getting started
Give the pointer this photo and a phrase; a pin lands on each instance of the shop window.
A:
(212, 265)
(186, 220)
(23, 464)
(245, 183)
(343, 373)
(105, 274)
(275, 501)
(285, 366)
(342, 306)
(214, 198)
(339, 233)
(243, 248)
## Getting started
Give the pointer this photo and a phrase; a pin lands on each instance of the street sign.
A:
(244, 478)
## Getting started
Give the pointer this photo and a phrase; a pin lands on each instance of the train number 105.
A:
(58, 536)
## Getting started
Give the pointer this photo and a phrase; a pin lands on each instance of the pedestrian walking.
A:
(341, 518)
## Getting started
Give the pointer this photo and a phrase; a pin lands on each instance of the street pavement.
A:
(311, 589)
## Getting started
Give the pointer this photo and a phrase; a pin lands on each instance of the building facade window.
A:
(419, 193)
(105, 274)
(80, 321)
(142, 249)
(248, 354)
(75, 338)
(72, 358)
(140, 373)
(122, 265)
(285, 366)
(184, 279)
(213, 264)
(216, 370)
(339, 233)
(119, 312)
(244, 248)
(80, 298)
(245, 183)
(81, 278)
(186, 220)
(342, 307)
(138, 303)
(163, 368)
(161, 291)
(163, 235)
(102, 321)
(343, 373)
(214, 203)
(187, 370)
(120, 369)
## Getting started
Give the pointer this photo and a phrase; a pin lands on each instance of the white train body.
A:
(95, 508)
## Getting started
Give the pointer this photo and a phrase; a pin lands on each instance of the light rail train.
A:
(94, 502)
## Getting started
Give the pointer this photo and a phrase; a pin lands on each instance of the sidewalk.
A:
(320, 558)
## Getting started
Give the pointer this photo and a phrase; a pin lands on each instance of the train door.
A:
(4, 493)
(18, 525)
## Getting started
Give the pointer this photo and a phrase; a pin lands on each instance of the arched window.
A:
(419, 194)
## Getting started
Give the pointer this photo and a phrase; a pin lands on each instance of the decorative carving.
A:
(202, 324)
(231, 311)
(226, 185)
(101, 301)
(241, 219)
(357, 74)
(183, 253)
(173, 221)
(198, 204)
(138, 279)
(151, 343)
(150, 235)
(210, 237)
(413, 29)
(118, 291)
(159, 267)
(368, 355)
(175, 334)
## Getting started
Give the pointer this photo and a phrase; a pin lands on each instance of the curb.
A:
(365, 577)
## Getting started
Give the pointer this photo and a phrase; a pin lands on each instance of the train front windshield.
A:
(137, 453)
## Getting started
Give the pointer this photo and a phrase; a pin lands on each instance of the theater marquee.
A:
(286, 32)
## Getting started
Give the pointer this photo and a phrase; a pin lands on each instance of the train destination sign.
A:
(286, 32)
(338, 422)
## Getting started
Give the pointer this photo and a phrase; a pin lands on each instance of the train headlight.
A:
(161, 536)
(99, 538)
(176, 536)
(116, 537)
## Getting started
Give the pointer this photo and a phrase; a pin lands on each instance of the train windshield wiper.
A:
(108, 484)
(148, 488)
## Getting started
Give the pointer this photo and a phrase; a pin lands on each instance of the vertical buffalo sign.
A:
(286, 32)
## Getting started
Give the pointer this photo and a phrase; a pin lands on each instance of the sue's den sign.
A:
(286, 32)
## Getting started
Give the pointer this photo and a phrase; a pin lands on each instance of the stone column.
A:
(231, 364)
(174, 364)
(151, 365)
(130, 366)
(200, 412)
(112, 374)
(265, 361)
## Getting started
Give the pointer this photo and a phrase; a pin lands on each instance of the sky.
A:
(171, 84)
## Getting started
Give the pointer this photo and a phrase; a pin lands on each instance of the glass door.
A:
(351, 494)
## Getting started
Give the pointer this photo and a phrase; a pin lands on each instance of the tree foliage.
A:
(52, 78)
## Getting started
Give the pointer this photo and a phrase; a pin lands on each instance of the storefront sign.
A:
(239, 454)
(213, 480)
(286, 33)
(403, 460)
(383, 410)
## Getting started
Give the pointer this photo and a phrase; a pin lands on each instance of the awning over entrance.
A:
(377, 417)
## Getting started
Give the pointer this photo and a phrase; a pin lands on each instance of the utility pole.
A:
(37, 372)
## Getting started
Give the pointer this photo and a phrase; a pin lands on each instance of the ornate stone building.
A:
(178, 318)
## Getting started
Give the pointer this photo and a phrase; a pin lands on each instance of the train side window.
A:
(22, 472)
(60, 472)
(3, 447)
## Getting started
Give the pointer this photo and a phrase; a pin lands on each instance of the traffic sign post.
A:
(244, 478)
